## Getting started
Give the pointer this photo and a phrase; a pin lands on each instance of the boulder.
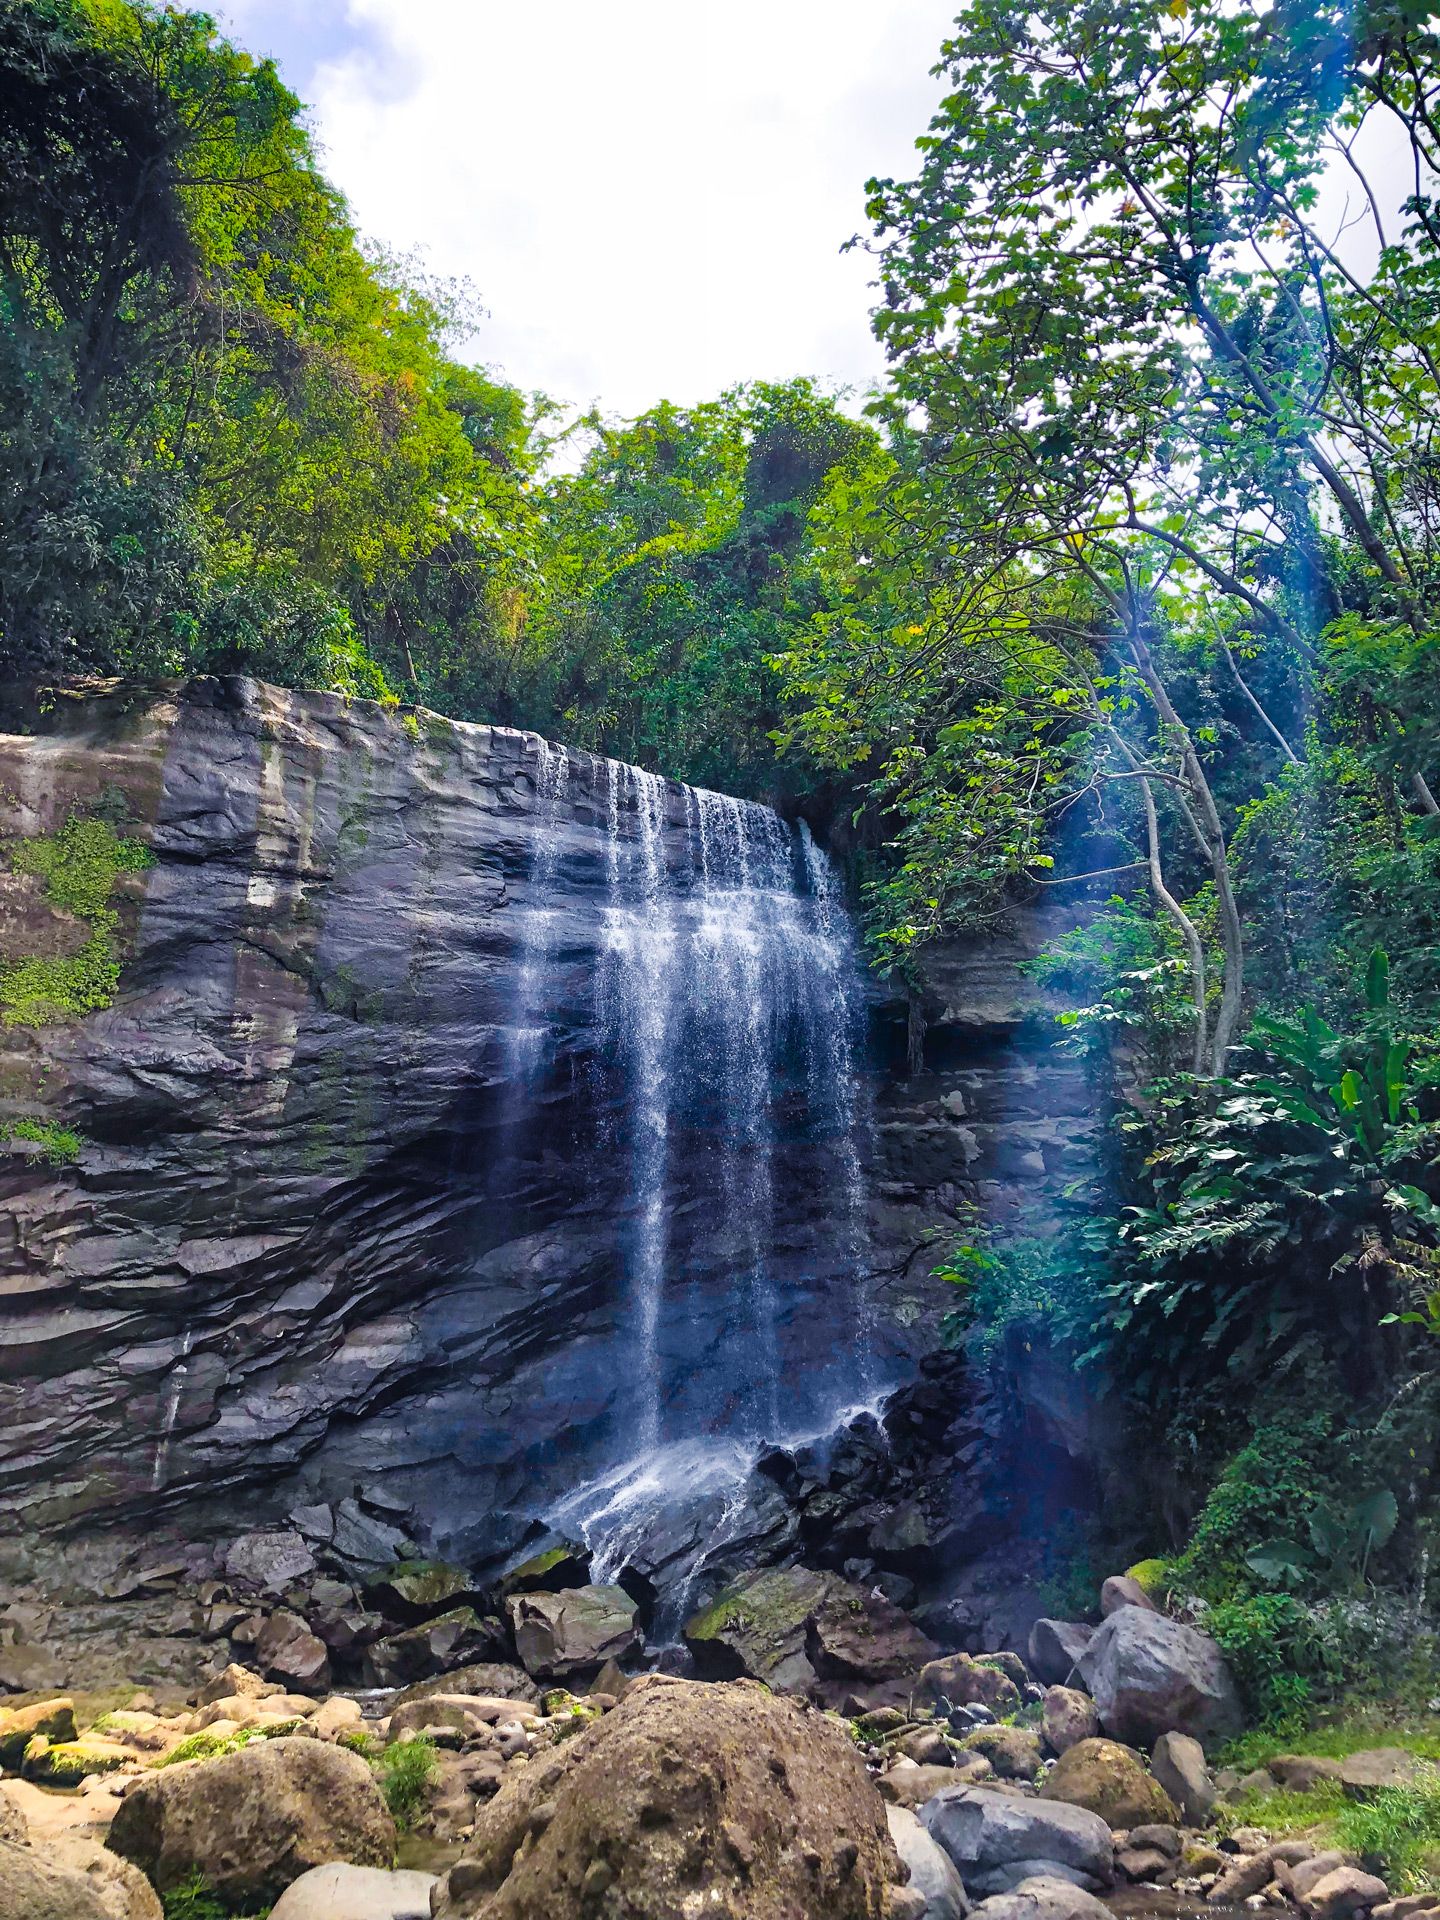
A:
(1121, 1591)
(963, 1682)
(121, 1888)
(1303, 1772)
(686, 1798)
(337, 1715)
(1299, 1876)
(66, 1763)
(1151, 1675)
(233, 1682)
(997, 1840)
(55, 1719)
(1069, 1717)
(287, 1650)
(1044, 1897)
(269, 1561)
(1342, 1892)
(343, 1892)
(1013, 1752)
(926, 1746)
(913, 1786)
(362, 1542)
(1148, 1864)
(1112, 1781)
(435, 1647)
(1362, 1775)
(13, 1824)
(1055, 1649)
(1178, 1763)
(415, 1590)
(494, 1679)
(932, 1872)
(26, 1669)
(35, 1889)
(558, 1567)
(255, 1820)
(572, 1632)
(856, 1634)
(466, 1713)
(757, 1629)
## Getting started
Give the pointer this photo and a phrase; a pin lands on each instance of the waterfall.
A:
(728, 1092)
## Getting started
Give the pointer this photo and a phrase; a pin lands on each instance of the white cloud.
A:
(649, 196)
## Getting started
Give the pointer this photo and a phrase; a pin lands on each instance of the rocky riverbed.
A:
(807, 1750)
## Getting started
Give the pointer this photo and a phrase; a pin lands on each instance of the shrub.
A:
(194, 1899)
(1399, 1829)
(405, 1770)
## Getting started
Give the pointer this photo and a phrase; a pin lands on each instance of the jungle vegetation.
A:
(1123, 595)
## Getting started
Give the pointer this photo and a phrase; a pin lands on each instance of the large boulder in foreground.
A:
(253, 1821)
(31, 1888)
(686, 1798)
(1151, 1675)
(998, 1840)
(558, 1635)
(1112, 1781)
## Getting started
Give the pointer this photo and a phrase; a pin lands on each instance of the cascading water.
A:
(727, 1030)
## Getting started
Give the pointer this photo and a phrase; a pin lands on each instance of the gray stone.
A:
(1299, 1876)
(932, 1871)
(1121, 1591)
(1044, 1897)
(1343, 1892)
(340, 1892)
(558, 1635)
(269, 1561)
(1362, 1775)
(1055, 1649)
(1178, 1763)
(1069, 1717)
(33, 1889)
(287, 1650)
(1303, 1772)
(1151, 1675)
(989, 1835)
(255, 1820)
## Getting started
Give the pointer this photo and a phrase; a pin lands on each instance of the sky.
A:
(649, 197)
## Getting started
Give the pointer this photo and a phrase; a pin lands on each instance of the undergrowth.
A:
(79, 866)
(195, 1899)
(59, 1145)
(405, 1770)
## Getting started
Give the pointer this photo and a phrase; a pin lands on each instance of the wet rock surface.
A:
(379, 1351)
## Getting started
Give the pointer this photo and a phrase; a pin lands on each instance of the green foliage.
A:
(1399, 1829)
(1274, 1652)
(61, 1146)
(1290, 1204)
(405, 1770)
(1043, 1285)
(79, 866)
(195, 1899)
(208, 1745)
(358, 1740)
(1268, 1488)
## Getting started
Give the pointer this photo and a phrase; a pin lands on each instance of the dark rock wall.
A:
(307, 1248)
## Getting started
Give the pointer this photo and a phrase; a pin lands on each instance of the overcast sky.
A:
(648, 196)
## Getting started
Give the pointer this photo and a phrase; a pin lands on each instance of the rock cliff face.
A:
(315, 1244)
